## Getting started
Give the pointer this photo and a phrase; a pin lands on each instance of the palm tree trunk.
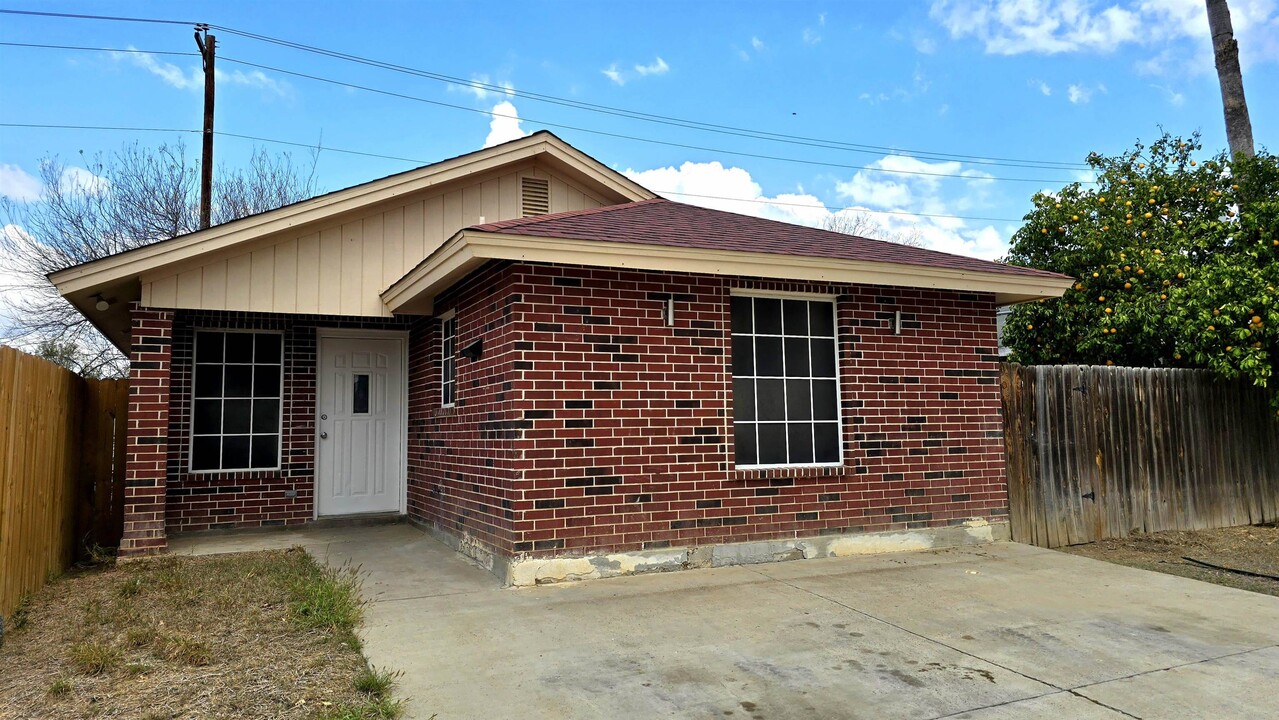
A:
(1226, 51)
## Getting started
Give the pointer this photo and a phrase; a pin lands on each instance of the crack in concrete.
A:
(951, 647)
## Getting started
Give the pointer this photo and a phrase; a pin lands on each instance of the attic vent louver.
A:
(535, 196)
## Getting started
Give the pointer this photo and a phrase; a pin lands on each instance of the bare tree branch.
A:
(862, 224)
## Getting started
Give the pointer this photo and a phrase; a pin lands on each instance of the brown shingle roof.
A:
(663, 222)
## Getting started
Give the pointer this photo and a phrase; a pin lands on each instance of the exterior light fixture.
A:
(102, 305)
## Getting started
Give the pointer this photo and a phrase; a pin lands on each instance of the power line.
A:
(634, 138)
(78, 16)
(99, 49)
(420, 162)
(609, 110)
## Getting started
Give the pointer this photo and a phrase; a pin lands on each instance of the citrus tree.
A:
(1176, 263)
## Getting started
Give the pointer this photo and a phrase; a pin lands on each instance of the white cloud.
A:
(757, 44)
(15, 287)
(657, 67)
(1175, 98)
(193, 79)
(811, 37)
(78, 180)
(612, 73)
(1078, 94)
(1042, 86)
(1013, 27)
(482, 87)
(505, 125)
(905, 196)
(17, 184)
(925, 45)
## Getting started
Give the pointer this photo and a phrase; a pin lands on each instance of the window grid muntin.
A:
(754, 378)
(448, 366)
(252, 398)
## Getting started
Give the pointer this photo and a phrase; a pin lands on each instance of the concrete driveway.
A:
(1000, 631)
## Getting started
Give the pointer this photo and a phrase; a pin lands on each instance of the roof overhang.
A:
(469, 249)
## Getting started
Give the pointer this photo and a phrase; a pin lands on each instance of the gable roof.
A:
(662, 235)
(673, 224)
(116, 277)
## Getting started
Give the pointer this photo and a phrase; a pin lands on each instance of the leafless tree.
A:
(862, 224)
(1230, 77)
(116, 202)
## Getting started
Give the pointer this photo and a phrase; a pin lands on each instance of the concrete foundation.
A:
(524, 571)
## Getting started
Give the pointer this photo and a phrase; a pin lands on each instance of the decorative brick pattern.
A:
(147, 433)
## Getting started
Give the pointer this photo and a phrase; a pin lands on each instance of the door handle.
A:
(324, 435)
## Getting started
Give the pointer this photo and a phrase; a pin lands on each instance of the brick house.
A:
(533, 357)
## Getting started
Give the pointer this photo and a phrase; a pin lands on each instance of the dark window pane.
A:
(266, 381)
(796, 357)
(823, 358)
(239, 380)
(768, 356)
(772, 444)
(743, 355)
(265, 449)
(206, 453)
(235, 452)
(236, 416)
(795, 317)
(768, 316)
(771, 400)
(208, 347)
(822, 319)
(744, 450)
(825, 400)
(826, 443)
(267, 348)
(743, 399)
(799, 438)
(266, 416)
(208, 381)
(360, 397)
(239, 347)
(207, 418)
(742, 314)
(798, 400)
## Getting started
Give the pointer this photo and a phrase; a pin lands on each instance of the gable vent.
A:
(535, 196)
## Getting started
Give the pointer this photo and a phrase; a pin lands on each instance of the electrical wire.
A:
(99, 49)
(605, 109)
(419, 162)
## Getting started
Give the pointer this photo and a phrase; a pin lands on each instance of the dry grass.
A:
(262, 635)
(1254, 548)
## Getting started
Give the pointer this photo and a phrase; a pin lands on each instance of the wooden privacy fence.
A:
(1102, 452)
(61, 469)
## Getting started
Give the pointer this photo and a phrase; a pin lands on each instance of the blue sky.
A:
(1045, 81)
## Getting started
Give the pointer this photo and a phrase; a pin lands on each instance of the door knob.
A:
(324, 436)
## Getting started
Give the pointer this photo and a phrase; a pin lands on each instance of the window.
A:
(235, 418)
(448, 382)
(360, 395)
(785, 388)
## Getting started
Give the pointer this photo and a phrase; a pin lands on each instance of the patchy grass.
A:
(1254, 548)
(266, 634)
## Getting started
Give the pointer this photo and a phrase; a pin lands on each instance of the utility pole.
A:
(208, 46)
(1226, 53)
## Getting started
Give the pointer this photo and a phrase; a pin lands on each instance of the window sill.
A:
(794, 472)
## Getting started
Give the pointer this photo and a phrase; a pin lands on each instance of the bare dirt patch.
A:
(264, 635)
(1252, 548)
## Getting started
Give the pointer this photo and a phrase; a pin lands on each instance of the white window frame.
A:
(839, 404)
(446, 382)
(279, 450)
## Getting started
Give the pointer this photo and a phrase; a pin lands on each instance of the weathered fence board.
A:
(61, 469)
(1102, 452)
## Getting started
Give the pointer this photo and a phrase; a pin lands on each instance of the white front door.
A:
(360, 426)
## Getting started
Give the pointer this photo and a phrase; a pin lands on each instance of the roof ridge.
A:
(551, 217)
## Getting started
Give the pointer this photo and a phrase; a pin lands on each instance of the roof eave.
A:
(466, 250)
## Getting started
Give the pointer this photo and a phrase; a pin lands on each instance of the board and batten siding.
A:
(342, 268)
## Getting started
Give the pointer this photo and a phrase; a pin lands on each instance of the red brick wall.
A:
(627, 424)
(147, 434)
(223, 500)
(463, 460)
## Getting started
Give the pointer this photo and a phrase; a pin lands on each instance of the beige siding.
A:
(342, 268)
